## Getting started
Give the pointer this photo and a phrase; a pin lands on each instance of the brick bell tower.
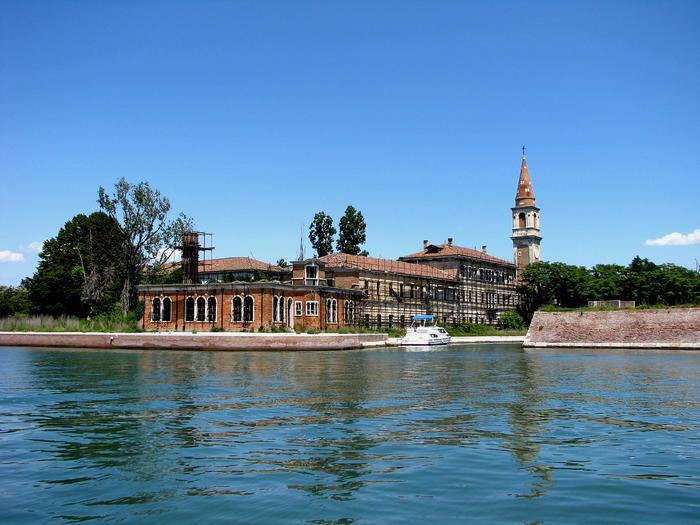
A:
(526, 221)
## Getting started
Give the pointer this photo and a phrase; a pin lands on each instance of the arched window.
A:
(346, 311)
(290, 311)
(379, 320)
(282, 302)
(248, 309)
(237, 309)
(521, 220)
(167, 310)
(211, 309)
(391, 321)
(155, 309)
(351, 310)
(275, 309)
(200, 314)
(331, 311)
(189, 309)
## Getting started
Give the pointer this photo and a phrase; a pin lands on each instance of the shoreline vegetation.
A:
(105, 324)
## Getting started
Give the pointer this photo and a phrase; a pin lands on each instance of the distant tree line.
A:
(94, 263)
(352, 233)
(642, 281)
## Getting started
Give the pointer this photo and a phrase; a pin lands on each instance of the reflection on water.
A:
(487, 433)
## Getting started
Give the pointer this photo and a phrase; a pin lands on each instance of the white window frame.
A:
(162, 309)
(308, 311)
(206, 309)
(298, 308)
(252, 318)
(232, 301)
(311, 281)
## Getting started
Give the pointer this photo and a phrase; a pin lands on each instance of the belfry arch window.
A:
(200, 313)
(237, 309)
(211, 309)
(189, 309)
(521, 220)
(155, 309)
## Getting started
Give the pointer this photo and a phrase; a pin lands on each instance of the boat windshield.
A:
(422, 320)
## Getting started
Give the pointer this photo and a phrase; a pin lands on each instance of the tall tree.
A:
(14, 300)
(149, 236)
(321, 233)
(352, 232)
(79, 272)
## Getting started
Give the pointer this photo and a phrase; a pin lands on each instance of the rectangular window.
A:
(311, 275)
(297, 308)
(401, 290)
(379, 288)
(312, 308)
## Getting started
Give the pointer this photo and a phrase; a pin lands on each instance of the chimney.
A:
(425, 243)
(483, 249)
(449, 241)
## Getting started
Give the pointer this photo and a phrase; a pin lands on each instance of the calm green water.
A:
(480, 434)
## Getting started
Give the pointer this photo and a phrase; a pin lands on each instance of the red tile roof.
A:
(343, 260)
(442, 250)
(236, 264)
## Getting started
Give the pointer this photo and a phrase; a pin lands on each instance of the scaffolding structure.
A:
(395, 291)
(194, 242)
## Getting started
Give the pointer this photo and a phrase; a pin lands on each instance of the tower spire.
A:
(526, 221)
(525, 195)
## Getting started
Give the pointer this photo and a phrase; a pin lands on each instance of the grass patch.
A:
(47, 323)
(480, 330)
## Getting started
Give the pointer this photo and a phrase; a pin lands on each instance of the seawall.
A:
(226, 341)
(674, 328)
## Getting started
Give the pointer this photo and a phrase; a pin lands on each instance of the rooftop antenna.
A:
(300, 255)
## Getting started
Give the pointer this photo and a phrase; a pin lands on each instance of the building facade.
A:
(453, 283)
(485, 284)
(250, 307)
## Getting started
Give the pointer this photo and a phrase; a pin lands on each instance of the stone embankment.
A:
(193, 341)
(675, 328)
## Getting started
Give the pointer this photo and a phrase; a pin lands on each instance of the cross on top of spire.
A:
(524, 148)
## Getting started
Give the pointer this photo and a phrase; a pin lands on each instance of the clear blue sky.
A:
(251, 116)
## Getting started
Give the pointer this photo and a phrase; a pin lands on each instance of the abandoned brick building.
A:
(453, 283)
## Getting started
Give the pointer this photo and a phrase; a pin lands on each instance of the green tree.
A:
(553, 283)
(511, 320)
(14, 300)
(162, 274)
(282, 263)
(352, 232)
(642, 281)
(321, 233)
(149, 236)
(79, 270)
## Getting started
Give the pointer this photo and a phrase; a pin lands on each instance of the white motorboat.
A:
(424, 332)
